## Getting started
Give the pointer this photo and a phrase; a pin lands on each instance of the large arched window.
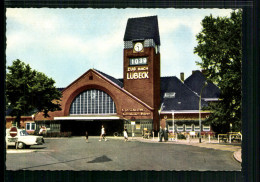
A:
(93, 102)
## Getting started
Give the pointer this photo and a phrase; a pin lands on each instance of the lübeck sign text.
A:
(137, 73)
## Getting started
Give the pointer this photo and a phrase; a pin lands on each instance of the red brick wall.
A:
(143, 88)
(23, 120)
(148, 89)
(121, 98)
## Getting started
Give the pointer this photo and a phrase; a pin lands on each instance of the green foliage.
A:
(28, 90)
(181, 136)
(219, 46)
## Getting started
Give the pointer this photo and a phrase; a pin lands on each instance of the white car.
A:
(22, 139)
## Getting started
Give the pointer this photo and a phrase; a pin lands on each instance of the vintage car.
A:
(21, 139)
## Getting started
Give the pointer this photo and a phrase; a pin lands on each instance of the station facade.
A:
(96, 98)
(142, 99)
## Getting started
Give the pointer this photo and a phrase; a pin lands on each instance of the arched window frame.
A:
(92, 102)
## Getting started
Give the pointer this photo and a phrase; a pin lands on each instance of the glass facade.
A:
(93, 102)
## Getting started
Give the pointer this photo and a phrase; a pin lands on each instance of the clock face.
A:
(138, 47)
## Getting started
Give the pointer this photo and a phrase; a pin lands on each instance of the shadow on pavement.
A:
(100, 159)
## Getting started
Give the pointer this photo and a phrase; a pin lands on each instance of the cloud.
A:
(74, 40)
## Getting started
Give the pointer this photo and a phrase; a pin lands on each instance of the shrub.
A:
(181, 136)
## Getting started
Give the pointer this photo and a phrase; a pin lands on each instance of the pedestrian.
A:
(165, 134)
(86, 136)
(41, 131)
(125, 134)
(160, 134)
(103, 133)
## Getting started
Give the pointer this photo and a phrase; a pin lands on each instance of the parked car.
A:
(22, 139)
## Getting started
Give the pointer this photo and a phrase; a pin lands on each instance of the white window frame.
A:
(196, 128)
(30, 126)
(180, 126)
(169, 125)
(205, 127)
(190, 126)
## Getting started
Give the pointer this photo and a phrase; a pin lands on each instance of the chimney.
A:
(182, 76)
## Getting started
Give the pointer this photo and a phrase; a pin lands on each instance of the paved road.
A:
(115, 155)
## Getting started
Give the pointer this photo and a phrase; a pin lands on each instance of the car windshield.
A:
(23, 133)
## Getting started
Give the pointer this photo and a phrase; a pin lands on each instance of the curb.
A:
(237, 155)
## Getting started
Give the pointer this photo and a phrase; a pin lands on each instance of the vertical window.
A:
(93, 102)
(28, 126)
(33, 126)
(170, 128)
(138, 126)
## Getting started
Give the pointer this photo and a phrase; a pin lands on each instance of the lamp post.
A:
(205, 83)
(173, 130)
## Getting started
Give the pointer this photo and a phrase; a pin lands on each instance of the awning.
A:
(87, 118)
(183, 111)
(185, 121)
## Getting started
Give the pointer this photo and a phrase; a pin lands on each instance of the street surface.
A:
(116, 155)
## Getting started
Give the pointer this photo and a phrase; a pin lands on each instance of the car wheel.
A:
(20, 145)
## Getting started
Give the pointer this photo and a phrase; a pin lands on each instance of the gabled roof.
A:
(184, 99)
(196, 81)
(116, 81)
(118, 84)
(142, 28)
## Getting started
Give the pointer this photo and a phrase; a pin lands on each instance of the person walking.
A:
(103, 133)
(125, 134)
(166, 134)
(41, 131)
(160, 134)
(86, 136)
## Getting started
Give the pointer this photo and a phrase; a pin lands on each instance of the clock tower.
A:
(142, 61)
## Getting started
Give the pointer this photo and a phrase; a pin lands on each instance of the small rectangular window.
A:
(169, 95)
(196, 128)
(180, 128)
(206, 128)
(138, 126)
(28, 126)
(33, 126)
(188, 128)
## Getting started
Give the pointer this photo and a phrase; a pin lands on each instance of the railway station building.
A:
(142, 99)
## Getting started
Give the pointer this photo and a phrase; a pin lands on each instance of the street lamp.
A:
(205, 83)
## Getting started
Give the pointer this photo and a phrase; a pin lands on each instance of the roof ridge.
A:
(127, 92)
(108, 75)
(168, 76)
(144, 17)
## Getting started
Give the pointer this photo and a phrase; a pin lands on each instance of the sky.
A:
(65, 43)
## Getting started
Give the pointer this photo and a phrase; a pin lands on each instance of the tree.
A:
(28, 90)
(219, 46)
